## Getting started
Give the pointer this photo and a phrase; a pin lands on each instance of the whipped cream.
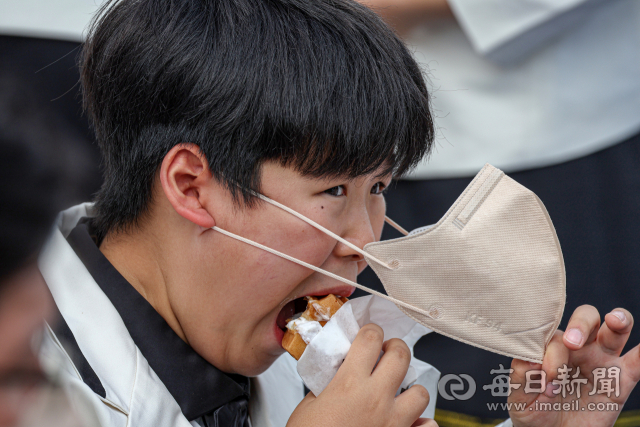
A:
(322, 313)
(308, 329)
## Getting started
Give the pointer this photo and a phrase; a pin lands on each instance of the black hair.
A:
(323, 86)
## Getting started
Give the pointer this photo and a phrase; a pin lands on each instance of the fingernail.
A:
(620, 315)
(550, 390)
(574, 336)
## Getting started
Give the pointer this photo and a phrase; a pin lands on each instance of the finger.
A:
(619, 320)
(555, 357)
(393, 366)
(411, 404)
(364, 351)
(424, 422)
(582, 328)
(519, 376)
(613, 335)
(310, 397)
(631, 364)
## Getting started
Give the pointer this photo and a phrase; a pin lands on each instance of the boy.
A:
(196, 105)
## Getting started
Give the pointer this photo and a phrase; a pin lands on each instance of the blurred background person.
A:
(47, 163)
(26, 193)
(548, 91)
(34, 171)
(39, 44)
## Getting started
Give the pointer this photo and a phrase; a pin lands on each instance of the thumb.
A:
(519, 376)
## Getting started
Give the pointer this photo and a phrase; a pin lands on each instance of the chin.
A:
(257, 366)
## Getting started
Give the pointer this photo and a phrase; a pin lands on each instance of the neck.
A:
(136, 255)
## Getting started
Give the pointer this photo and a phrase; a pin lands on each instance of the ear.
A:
(184, 174)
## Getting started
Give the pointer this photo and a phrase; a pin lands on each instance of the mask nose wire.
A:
(318, 269)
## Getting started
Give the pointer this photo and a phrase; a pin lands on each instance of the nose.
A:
(358, 231)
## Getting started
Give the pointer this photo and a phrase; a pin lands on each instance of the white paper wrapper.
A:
(326, 352)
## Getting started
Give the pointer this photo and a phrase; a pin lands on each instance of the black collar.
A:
(194, 383)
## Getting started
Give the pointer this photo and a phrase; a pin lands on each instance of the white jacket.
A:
(134, 395)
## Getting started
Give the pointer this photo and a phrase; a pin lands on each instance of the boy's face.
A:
(234, 300)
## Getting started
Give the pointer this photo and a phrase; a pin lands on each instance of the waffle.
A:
(319, 310)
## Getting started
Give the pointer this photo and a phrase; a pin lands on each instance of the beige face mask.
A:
(490, 273)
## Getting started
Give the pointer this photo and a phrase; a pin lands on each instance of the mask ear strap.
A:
(396, 225)
(320, 270)
(324, 230)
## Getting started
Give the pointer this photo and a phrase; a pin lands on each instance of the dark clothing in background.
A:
(594, 203)
(49, 72)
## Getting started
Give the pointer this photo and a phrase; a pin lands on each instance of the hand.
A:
(360, 396)
(586, 346)
(406, 14)
(403, 8)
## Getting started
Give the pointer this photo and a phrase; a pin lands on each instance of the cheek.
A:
(245, 283)
(280, 277)
(296, 239)
(237, 307)
(377, 211)
(9, 409)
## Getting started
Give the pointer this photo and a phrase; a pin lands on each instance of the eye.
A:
(336, 191)
(378, 188)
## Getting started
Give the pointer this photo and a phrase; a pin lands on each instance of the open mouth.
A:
(291, 309)
(295, 308)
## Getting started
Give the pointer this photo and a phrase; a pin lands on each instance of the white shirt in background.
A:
(51, 19)
(529, 83)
